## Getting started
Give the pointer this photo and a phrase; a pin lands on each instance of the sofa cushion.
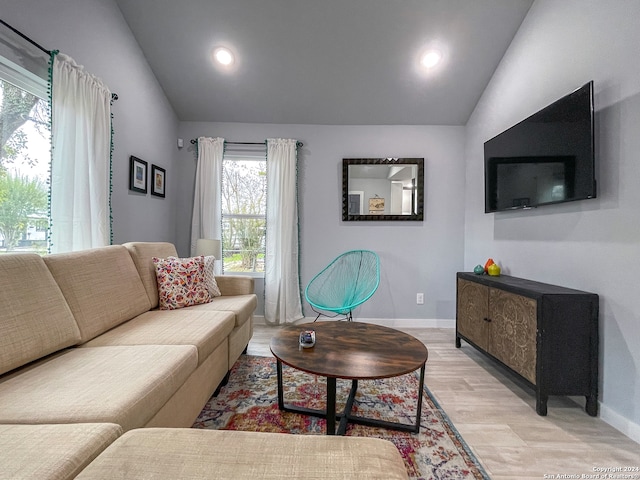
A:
(162, 453)
(242, 306)
(35, 319)
(141, 253)
(205, 330)
(126, 385)
(235, 284)
(52, 452)
(181, 282)
(102, 286)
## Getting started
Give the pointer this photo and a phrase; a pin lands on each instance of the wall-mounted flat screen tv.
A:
(545, 159)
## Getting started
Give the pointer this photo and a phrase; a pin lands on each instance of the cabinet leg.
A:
(592, 405)
(541, 403)
(458, 345)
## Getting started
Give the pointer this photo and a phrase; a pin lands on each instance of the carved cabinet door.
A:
(473, 305)
(513, 331)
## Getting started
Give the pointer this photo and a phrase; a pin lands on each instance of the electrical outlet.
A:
(420, 298)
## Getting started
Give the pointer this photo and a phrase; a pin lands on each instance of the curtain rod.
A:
(48, 52)
(114, 96)
(193, 141)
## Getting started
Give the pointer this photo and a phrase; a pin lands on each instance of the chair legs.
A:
(347, 316)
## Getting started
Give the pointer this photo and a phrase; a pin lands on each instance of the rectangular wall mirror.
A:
(382, 189)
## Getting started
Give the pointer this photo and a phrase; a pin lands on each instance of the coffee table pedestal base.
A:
(346, 417)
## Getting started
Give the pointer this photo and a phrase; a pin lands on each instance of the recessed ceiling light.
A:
(431, 58)
(223, 56)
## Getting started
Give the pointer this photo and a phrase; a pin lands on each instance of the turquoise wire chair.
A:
(348, 281)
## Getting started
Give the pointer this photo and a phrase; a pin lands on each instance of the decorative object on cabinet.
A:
(478, 270)
(494, 270)
(487, 265)
(158, 180)
(137, 175)
(546, 334)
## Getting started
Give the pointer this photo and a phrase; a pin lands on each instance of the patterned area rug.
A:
(250, 402)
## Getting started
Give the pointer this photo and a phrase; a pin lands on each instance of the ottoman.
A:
(185, 453)
(52, 452)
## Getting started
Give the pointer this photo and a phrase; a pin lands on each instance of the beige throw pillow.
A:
(210, 277)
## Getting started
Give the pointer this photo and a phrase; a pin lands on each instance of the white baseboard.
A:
(617, 421)
(385, 322)
(411, 322)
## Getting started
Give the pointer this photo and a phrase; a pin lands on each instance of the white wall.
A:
(95, 34)
(415, 256)
(591, 245)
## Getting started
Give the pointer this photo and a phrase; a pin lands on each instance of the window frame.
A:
(240, 154)
(27, 81)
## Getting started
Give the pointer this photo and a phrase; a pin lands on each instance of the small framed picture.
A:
(376, 206)
(137, 175)
(158, 180)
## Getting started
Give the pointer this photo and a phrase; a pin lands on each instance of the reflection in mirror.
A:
(382, 189)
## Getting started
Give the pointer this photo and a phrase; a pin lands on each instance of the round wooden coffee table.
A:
(354, 351)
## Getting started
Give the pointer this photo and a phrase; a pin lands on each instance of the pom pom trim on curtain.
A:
(206, 221)
(80, 203)
(283, 302)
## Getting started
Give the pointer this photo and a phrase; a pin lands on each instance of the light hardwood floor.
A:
(495, 414)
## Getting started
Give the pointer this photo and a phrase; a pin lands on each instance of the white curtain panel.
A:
(80, 165)
(207, 199)
(282, 279)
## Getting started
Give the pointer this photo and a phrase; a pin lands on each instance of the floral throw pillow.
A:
(210, 277)
(181, 282)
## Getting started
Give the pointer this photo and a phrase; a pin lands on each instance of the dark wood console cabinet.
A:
(545, 333)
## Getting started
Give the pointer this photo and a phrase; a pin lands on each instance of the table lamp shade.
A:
(208, 246)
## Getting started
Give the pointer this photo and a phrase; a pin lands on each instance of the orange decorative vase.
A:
(488, 264)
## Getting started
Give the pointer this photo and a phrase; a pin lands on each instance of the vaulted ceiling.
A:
(332, 62)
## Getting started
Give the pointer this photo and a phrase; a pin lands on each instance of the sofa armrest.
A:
(235, 284)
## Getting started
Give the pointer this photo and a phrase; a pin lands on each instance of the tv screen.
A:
(545, 159)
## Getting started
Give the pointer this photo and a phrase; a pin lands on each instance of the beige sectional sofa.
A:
(88, 362)
(191, 454)
(82, 342)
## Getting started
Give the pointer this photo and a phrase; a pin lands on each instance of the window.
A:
(244, 208)
(25, 157)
